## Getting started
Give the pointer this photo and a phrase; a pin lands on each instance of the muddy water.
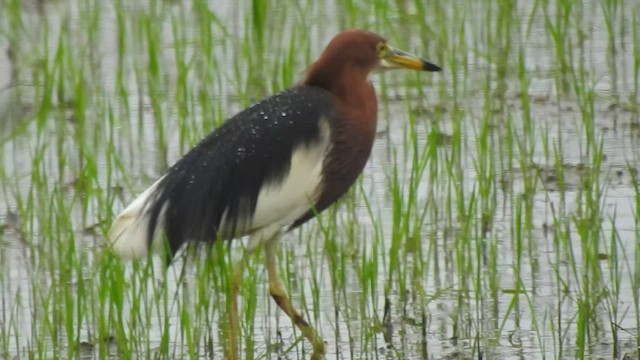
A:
(558, 117)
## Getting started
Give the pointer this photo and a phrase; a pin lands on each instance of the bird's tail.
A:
(129, 234)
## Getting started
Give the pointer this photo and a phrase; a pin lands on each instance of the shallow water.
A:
(84, 129)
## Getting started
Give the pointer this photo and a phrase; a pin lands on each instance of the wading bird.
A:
(270, 168)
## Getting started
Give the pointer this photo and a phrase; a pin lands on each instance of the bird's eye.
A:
(380, 48)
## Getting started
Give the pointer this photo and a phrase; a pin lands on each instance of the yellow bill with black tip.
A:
(393, 58)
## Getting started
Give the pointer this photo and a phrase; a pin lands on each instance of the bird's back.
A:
(261, 167)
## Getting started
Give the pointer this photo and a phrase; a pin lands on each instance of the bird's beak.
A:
(392, 58)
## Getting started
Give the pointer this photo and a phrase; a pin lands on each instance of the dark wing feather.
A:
(223, 174)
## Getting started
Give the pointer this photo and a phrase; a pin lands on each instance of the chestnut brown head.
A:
(363, 52)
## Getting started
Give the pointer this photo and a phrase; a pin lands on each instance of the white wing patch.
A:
(280, 204)
(129, 232)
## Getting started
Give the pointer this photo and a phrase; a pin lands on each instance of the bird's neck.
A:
(353, 90)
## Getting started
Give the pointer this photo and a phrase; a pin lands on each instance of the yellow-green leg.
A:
(279, 295)
(231, 351)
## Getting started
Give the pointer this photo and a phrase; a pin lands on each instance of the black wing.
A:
(223, 174)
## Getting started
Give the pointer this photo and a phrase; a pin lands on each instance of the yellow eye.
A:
(381, 47)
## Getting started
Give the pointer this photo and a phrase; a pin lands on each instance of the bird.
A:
(270, 168)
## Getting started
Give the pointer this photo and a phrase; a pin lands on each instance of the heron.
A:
(270, 168)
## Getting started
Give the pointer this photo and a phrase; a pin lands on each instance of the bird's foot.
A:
(318, 349)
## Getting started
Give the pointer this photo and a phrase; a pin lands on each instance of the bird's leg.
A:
(279, 295)
(234, 327)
